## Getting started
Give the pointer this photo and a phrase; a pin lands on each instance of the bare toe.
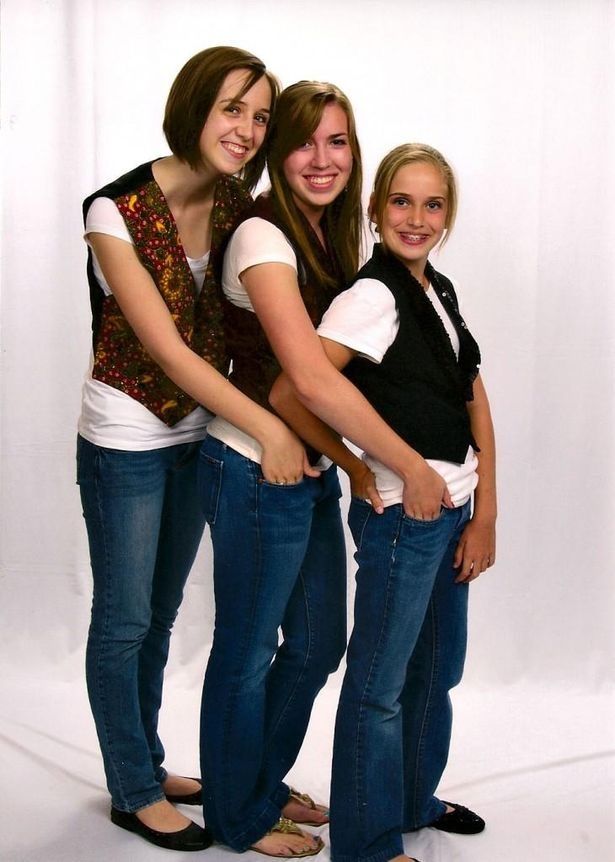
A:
(287, 840)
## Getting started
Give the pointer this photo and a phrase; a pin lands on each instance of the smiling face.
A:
(320, 169)
(236, 125)
(414, 217)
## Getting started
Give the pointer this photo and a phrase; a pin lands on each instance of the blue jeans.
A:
(279, 563)
(406, 652)
(144, 524)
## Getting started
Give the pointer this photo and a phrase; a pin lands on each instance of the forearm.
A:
(332, 397)
(202, 382)
(485, 496)
(309, 427)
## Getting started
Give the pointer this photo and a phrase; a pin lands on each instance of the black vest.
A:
(420, 388)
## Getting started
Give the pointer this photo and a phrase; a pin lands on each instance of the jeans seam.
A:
(306, 659)
(420, 749)
(239, 839)
(373, 665)
(105, 630)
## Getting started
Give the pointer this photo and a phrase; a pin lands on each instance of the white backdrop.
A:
(520, 95)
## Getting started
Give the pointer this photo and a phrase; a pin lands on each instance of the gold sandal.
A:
(305, 799)
(289, 827)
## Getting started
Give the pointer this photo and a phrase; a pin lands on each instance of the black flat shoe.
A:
(193, 837)
(460, 820)
(195, 798)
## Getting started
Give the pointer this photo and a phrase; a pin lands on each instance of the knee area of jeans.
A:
(122, 634)
(163, 619)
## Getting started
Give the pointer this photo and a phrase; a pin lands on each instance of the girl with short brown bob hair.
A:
(158, 373)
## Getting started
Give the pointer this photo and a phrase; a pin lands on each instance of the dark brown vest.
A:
(255, 367)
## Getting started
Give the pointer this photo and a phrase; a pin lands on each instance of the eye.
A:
(306, 146)
(233, 109)
(339, 142)
(434, 205)
(399, 202)
(261, 119)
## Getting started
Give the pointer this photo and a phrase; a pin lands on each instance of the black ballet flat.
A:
(460, 820)
(195, 798)
(193, 837)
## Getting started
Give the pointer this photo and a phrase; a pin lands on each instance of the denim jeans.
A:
(144, 523)
(279, 563)
(406, 651)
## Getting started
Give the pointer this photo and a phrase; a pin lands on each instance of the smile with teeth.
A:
(319, 180)
(234, 149)
(412, 238)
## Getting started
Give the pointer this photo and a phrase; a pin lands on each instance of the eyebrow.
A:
(408, 195)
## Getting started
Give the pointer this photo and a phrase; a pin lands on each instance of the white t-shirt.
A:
(365, 319)
(254, 242)
(109, 417)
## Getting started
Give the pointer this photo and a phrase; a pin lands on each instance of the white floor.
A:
(538, 765)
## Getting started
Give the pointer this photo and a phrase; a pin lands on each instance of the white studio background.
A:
(520, 95)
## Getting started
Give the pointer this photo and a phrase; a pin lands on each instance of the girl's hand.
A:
(363, 485)
(425, 493)
(475, 551)
(284, 461)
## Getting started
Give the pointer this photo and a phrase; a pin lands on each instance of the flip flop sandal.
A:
(306, 800)
(289, 827)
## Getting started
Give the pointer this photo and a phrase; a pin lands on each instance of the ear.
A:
(370, 209)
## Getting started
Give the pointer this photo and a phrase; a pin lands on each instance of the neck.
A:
(183, 185)
(313, 214)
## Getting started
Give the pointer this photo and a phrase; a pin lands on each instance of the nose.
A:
(320, 156)
(414, 216)
(244, 126)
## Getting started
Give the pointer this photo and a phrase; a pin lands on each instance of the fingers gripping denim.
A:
(406, 651)
(279, 564)
(144, 523)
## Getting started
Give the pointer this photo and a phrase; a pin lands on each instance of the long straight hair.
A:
(298, 113)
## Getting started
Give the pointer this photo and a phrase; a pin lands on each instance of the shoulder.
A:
(259, 241)
(367, 291)
(232, 190)
(446, 280)
(124, 185)
(363, 317)
(103, 216)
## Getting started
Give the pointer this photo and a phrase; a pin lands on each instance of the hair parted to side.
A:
(298, 113)
(407, 154)
(193, 94)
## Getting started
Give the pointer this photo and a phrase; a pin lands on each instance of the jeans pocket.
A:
(359, 513)
(280, 485)
(210, 484)
(423, 522)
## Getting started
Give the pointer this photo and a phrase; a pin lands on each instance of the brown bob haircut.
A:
(193, 95)
(298, 114)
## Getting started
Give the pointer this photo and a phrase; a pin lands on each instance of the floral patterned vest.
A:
(120, 360)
